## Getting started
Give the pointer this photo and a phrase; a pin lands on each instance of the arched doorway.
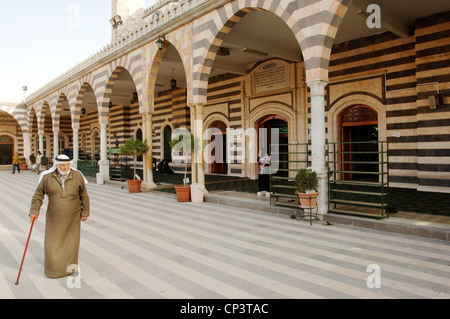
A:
(95, 144)
(359, 134)
(221, 166)
(139, 137)
(6, 149)
(269, 142)
(166, 141)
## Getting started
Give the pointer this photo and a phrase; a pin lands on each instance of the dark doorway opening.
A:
(359, 134)
(221, 166)
(267, 142)
(6, 150)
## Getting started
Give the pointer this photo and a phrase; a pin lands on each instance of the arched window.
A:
(6, 149)
(220, 166)
(139, 137)
(360, 114)
(167, 139)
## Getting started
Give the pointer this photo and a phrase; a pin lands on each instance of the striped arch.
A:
(57, 114)
(178, 39)
(31, 114)
(103, 110)
(314, 24)
(41, 116)
(76, 112)
(133, 64)
(104, 96)
(19, 113)
(159, 55)
(316, 33)
(207, 39)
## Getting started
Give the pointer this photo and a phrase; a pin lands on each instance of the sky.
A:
(40, 40)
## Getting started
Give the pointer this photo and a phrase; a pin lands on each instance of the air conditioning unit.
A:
(435, 101)
(432, 102)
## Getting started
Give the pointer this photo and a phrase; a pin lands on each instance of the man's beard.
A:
(64, 174)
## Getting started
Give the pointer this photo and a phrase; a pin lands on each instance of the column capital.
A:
(191, 104)
(317, 87)
(199, 108)
(147, 116)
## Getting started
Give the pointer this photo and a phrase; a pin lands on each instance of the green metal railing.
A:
(358, 178)
(291, 158)
(88, 168)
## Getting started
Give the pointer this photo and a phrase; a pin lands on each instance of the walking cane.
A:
(24, 253)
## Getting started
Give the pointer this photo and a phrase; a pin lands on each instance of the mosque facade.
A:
(321, 72)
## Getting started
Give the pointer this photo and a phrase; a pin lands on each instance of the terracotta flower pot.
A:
(305, 199)
(23, 167)
(183, 193)
(134, 185)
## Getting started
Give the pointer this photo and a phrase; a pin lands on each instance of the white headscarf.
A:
(265, 160)
(60, 159)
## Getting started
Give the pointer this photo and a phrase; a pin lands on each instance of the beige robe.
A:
(66, 206)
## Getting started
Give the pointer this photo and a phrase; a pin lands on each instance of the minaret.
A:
(125, 14)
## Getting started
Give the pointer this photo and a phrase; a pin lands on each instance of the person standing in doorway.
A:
(263, 173)
(16, 163)
(68, 205)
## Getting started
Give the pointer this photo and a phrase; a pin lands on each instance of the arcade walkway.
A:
(148, 245)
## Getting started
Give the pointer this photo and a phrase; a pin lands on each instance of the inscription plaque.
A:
(271, 75)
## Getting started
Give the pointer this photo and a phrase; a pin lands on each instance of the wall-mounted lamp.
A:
(24, 88)
(135, 96)
(223, 51)
(116, 21)
(173, 82)
(160, 42)
(83, 111)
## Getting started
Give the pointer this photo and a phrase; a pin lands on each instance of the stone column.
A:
(193, 166)
(318, 140)
(27, 147)
(75, 147)
(55, 144)
(144, 156)
(200, 145)
(41, 144)
(148, 182)
(103, 163)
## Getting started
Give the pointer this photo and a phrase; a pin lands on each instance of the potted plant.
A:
(183, 191)
(306, 184)
(135, 148)
(23, 164)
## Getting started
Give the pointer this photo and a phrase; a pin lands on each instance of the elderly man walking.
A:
(68, 205)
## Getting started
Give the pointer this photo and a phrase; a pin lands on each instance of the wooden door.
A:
(359, 123)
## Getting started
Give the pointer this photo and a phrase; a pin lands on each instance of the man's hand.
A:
(34, 217)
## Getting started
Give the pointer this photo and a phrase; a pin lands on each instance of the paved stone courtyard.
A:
(150, 246)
